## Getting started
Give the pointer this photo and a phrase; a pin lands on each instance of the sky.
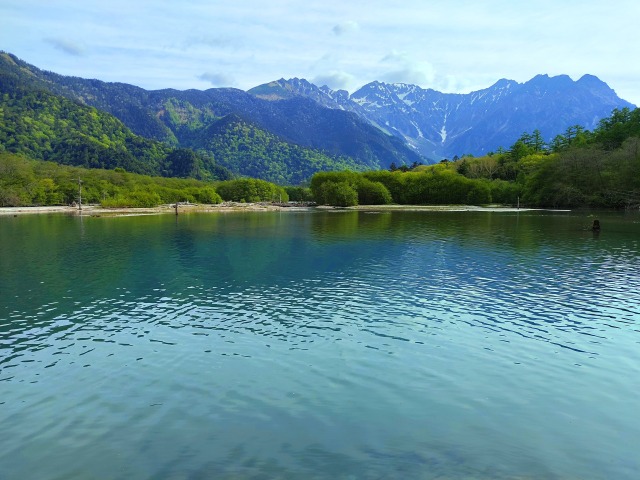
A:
(450, 46)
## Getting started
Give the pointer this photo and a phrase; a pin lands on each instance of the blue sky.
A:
(451, 46)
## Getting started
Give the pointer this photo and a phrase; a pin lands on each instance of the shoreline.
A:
(225, 207)
(447, 208)
(97, 210)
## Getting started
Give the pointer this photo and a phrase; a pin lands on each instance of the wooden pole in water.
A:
(79, 194)
(176, 207)
(518, 202)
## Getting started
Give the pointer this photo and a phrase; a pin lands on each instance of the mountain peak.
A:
(592, 81)
(504, 82)
(545, 80)
(284, 89)
(276, 90)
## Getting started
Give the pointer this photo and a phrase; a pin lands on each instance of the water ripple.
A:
(425, 351)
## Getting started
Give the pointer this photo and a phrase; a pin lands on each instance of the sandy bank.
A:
(96, 210)
(441, 208)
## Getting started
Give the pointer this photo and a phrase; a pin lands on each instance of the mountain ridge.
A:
(377, 125)
(441, 125)
(168, 115)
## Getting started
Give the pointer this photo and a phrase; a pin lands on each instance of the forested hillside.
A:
(27, 182)
(47, 117)
(44, 126)
(599, 168)
(317, 137)
(253, 152)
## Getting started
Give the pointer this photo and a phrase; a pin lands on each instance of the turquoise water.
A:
(344, 345)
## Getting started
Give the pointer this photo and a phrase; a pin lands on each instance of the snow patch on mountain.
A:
(442, 125)
(443, 134)
(420, 134)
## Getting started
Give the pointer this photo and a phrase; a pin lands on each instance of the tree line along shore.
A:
(578, 169)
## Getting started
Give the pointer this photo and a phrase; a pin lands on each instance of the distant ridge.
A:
(375, 126)
(441, 125)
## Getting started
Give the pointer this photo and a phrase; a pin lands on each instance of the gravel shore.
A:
(96, 210)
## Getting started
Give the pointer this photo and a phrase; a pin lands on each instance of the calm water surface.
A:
(343, 345)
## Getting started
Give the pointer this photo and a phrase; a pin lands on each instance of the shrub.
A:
(206, 195)
(372, 193)
(251, 190)
(340, 194)
(135, 199)
(299, 194)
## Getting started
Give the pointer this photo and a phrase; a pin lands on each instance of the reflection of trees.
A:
(46, 259)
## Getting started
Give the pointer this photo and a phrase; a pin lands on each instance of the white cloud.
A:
(66, 46)
(225, 42)
(394, 56)
(217, 79)
(334, 80)
(438, 44)
(345, 27)
(399, 67)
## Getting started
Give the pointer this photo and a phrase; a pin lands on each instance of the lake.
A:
(320, 345)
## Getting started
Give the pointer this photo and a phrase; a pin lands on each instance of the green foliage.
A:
(597, 169)
(26, 182)
(574, 136)
(299, 194)
(443, 188)
(38, 120)
(369, 191)
(135, 199)
(405, 168)
(614, 130)
(253, 152)
(504, 192)
(527, 144)
(372, 193)
(183, 163)
(340, 194)
(207, 195)
(44, 126)
(251, 190)
(393, 181)
(439, 185)
(579, 169)
(308, 138)
(182, 117)
(587, 177)
(319, 178)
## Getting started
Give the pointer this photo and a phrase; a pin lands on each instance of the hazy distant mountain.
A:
(445, 124)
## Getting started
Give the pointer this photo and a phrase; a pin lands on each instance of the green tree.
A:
(251, 190)
(372, 193)
(340, 194)
(183, 163)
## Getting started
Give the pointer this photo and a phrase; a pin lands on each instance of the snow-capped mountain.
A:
(442, 125)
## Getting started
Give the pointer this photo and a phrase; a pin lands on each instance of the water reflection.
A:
(374, 345)
(313, 275)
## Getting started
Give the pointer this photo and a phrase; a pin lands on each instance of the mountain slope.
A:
(248, 150)
(444, 124)
(45, 126)
(172, 116)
